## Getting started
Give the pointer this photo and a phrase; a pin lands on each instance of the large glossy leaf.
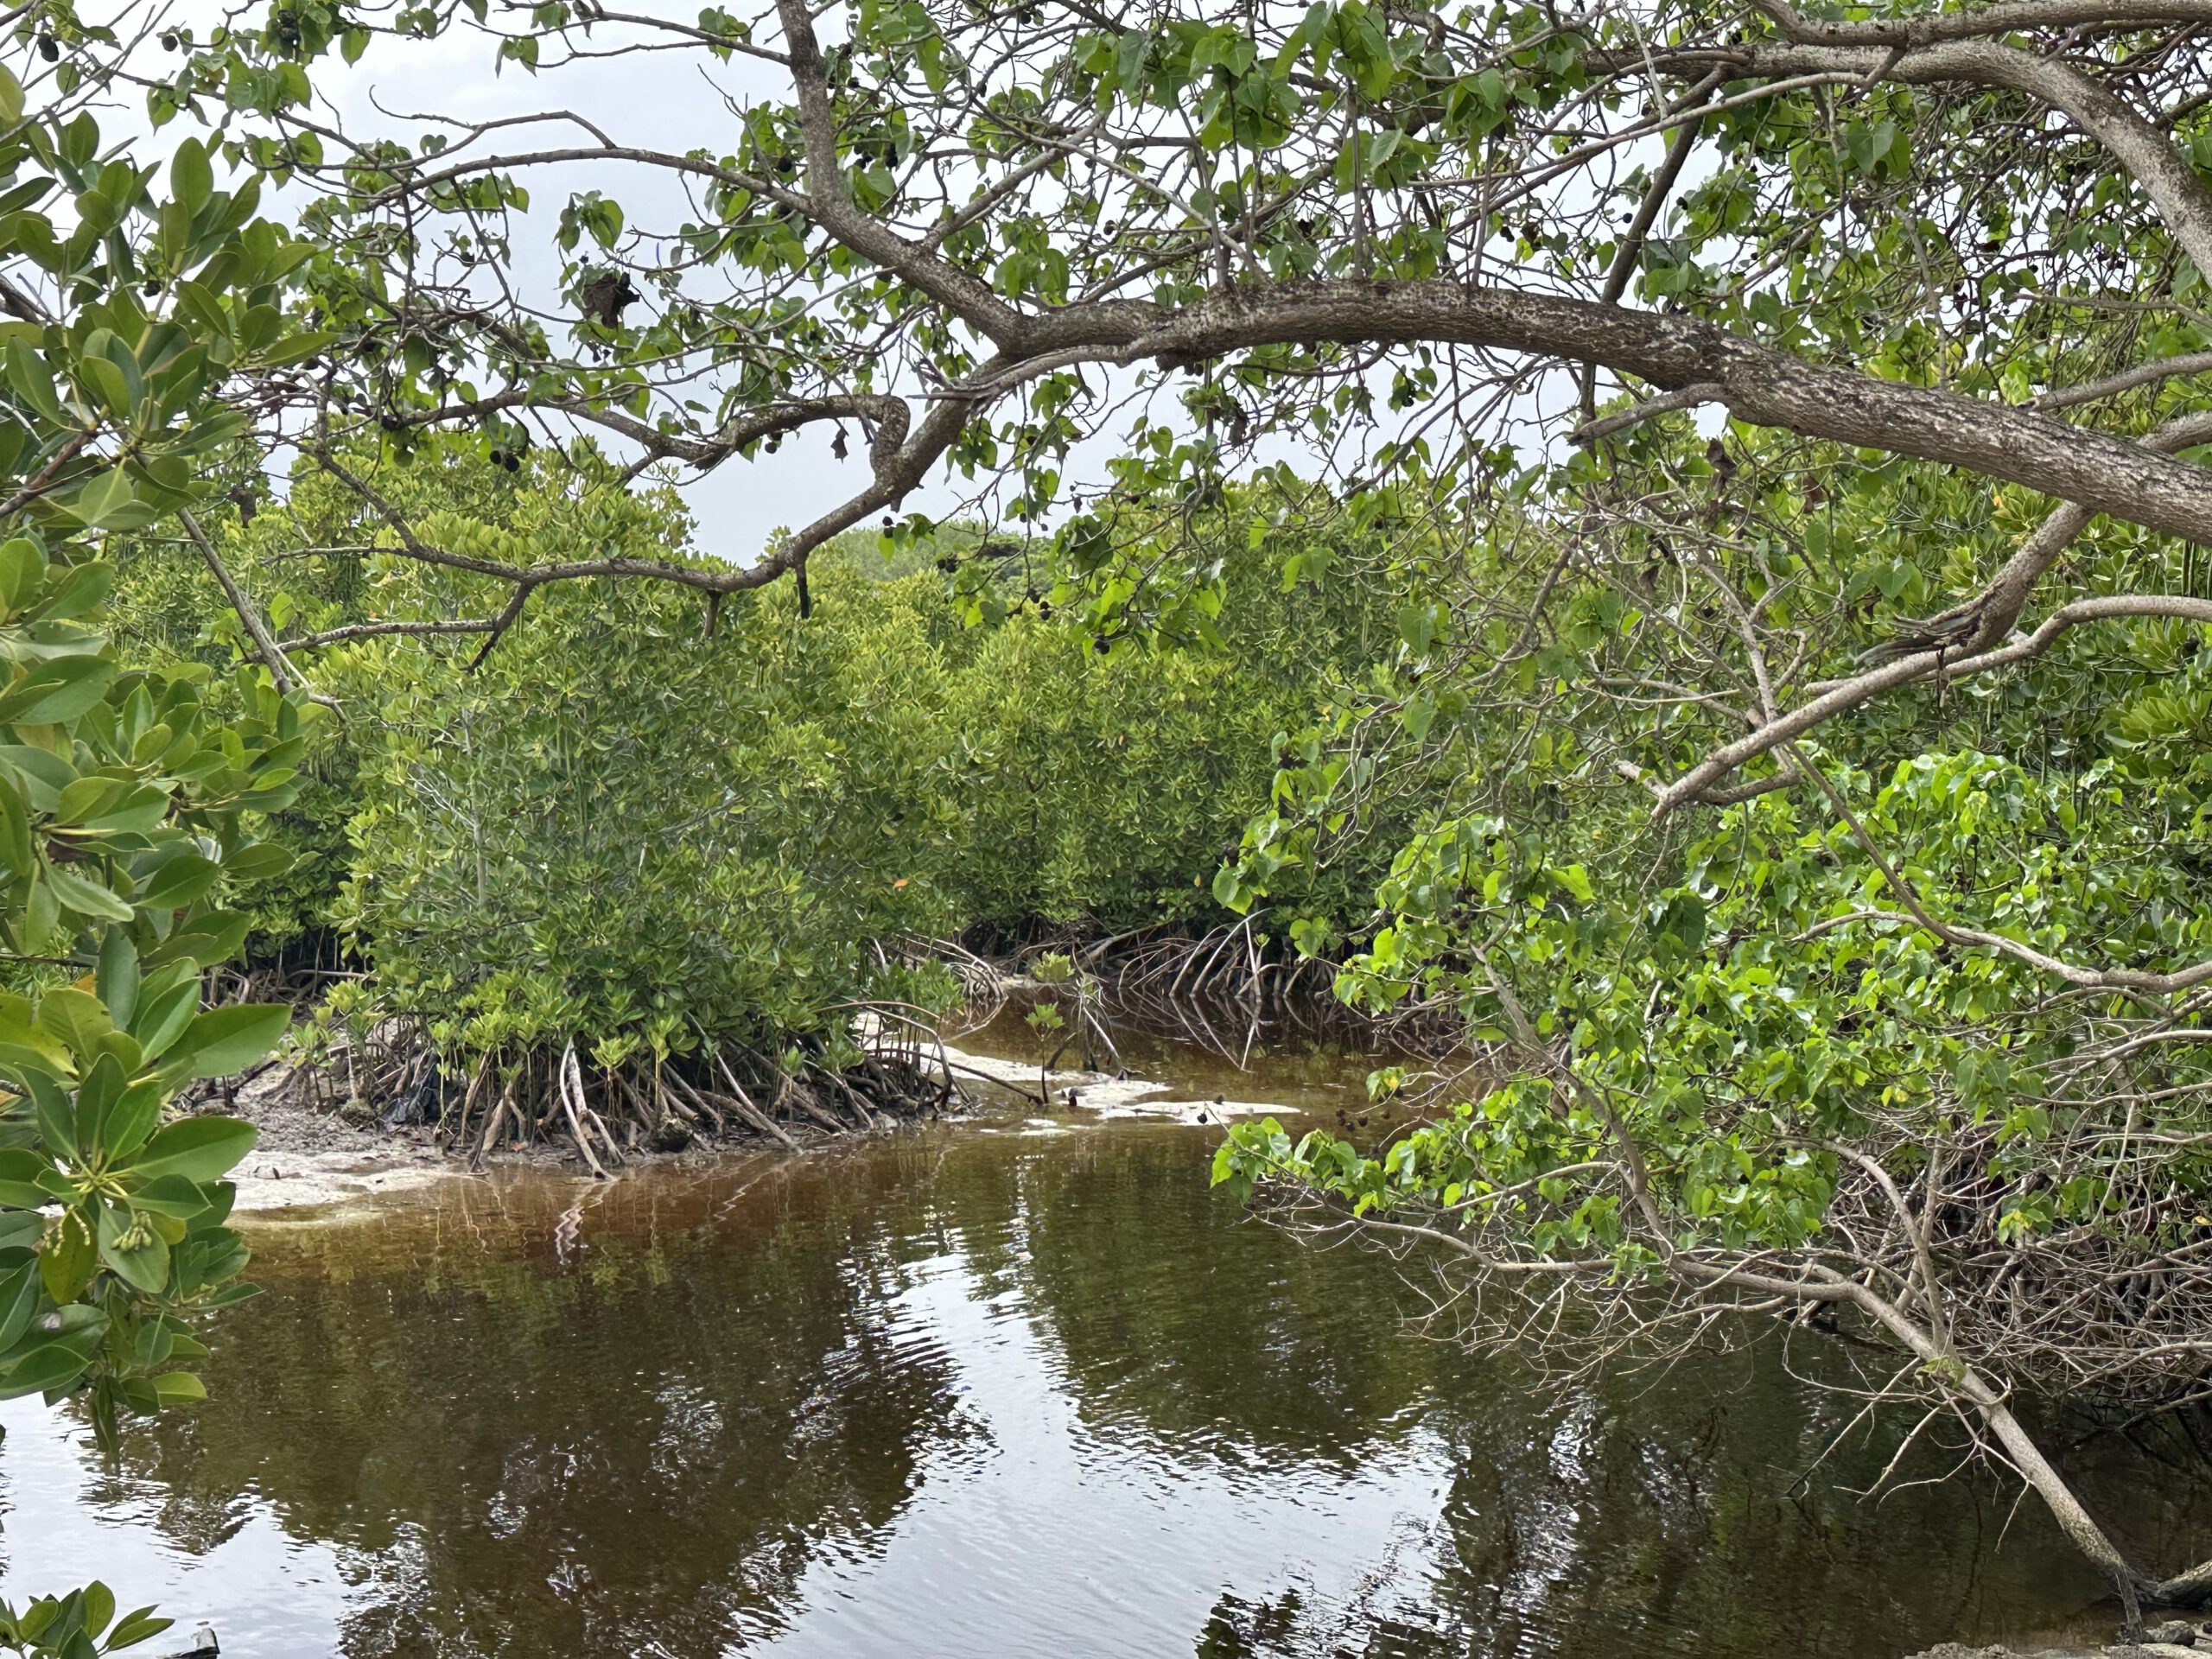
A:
(135, 1250)
(180, 880)
(197, 1148)
(86, 895)
(53, 1366)
(224, 1040)
(19, 1173)
(78, 1018)
(19, 1293)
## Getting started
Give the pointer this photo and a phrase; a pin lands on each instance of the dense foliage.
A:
(619, 828)
(129, 806)
(1913, 1024)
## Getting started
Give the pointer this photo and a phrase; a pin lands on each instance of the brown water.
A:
(979, 1390)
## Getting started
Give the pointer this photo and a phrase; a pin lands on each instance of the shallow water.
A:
(980, 1390)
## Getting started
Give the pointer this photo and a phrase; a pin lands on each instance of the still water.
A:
(985, 1388)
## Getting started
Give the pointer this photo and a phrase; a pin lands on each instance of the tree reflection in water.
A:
(976, 1392)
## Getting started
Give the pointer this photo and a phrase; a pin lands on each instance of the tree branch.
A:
(1975, 625)
(2143, 374)
(264, 643)
(2144, 149)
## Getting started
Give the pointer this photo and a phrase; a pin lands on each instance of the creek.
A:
(999, 1387)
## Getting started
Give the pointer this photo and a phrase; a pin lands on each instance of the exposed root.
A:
(392, 1075)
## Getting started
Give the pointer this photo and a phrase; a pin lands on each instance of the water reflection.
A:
(967, 1393)
(1285, 1056)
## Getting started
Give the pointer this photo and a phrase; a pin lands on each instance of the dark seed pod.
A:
(48, 48)
(172, 41)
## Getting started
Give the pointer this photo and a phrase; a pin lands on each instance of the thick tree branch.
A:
(2144, 149)
(1759, 384)
(2013, 17)
(833, 207)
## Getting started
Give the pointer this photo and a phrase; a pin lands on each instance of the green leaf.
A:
(190, 179)
(98, 1092)
(82, 591)
(141, 1626)
(110, 503)
(99, 1607)
(135, 1250)
(20, 1169)
(170, 1195)
(66, 1263)
(179, 1389)
(54, 1365)
(22, 564)
(133, 1117)
(19, 1292)
(165, 1018)
(200, 304)
(56, 1112)
(117, 981)
(224, 1040)
(15, 828)
(197, 1148)
(78, 1018)
(293, 349)
(34, 383)
(86, 896)
(179, 880)
(58, 690)
(215, 937)
(263, 861)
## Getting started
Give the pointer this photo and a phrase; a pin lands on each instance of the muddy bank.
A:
(310, 1157)
(307, 1158)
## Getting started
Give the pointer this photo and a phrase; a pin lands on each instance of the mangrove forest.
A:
(1105, 827)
